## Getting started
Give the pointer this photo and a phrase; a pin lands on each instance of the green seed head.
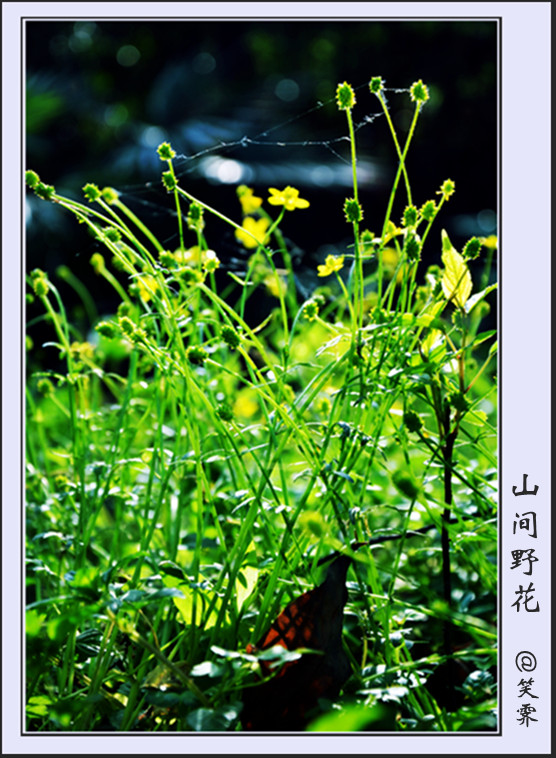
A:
(472, 248)
(230, 336)
(407, 485)
(97, 262)
(195, 220)
(45, 387)
(44, 191)
(447, 189)
(412, 248)
(31, 179)
(139, 335)
(126, 325)
(376, 85)
(352, 210)
(345, 96)
(196, 355)
(224, 412)
(112, 234)
(367, 242)
(109, 195)
(118, 263)
(167, 259)
(410, 215)
(211, 262)
(428, 210)
(419, 92)
(62, 483)
(458, 401)
(190, 275)
(195, 212)
(40, 286)
(412, 421)
(165, 152)
(124, 308)
(311, 310)
(92, 192)
(169, 181)
(106, 329)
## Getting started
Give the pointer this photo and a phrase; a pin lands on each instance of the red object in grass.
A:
(314, 620)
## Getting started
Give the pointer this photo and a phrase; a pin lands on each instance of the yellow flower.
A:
(253, 231)
(288, 197)
(276, 288)
(331, 264)
(82, 351)
(146, 286)
(190, 257)
(245, 405)
(249, 202)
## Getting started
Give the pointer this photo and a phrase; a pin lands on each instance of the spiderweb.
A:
(286, 153)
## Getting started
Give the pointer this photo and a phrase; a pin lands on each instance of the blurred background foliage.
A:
(253, 102)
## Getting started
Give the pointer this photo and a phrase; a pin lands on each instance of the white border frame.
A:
(524, 363)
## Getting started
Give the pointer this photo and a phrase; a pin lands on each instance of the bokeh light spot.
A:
(287, 90)
(115, 115)
(487, 221)
(204, 63)
(128, 55)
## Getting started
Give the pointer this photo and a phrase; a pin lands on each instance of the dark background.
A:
(101, 96)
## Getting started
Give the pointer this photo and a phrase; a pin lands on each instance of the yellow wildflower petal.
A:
(191, 256)
(288, 197)
(276, 197)
(331, 264)
(146, 286)
(253, 232)
(249, 202)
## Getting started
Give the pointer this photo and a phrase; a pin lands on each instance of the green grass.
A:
(187, 469)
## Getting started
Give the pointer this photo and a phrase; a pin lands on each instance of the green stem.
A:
(177, 199)
(397, 144)
(139, 224)
(268, 256)
(359, 283)
(401, 168)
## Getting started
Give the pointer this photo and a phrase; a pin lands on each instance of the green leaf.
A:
(34, 622)
(478, 418)
(482, 337)
(207, 668)
(245, 583)
(354, 718)
(208, 720)
(190, 602)
(38, 705)
(434, 344)
(456, 282)
(472, 302)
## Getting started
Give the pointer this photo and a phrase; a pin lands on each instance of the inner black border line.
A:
(343, 19)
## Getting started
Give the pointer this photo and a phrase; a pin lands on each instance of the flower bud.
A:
(352, 210)
(419, 92)
(91, 192)
(165, 152)
(196, 355)
(376, 85)
(345, 96)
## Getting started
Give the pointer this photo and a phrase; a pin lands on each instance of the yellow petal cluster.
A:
(288, 197)
(331, 264)
(252, 232)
